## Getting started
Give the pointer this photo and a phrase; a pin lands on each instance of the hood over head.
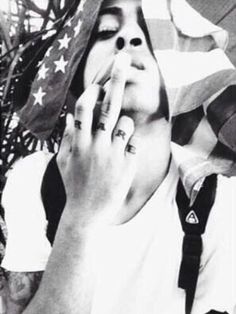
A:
(199, 79)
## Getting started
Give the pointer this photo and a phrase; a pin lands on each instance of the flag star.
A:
(77, 28)
(60, 65)
(81, 7)
(42, 72)
(39, 97)
(48, 52)
(64, 42)
(40, 63)
(82, 4)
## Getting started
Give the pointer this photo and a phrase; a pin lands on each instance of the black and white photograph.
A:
(118, 157)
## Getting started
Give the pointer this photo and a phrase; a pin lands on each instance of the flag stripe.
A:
(197, 76)
(185, 124)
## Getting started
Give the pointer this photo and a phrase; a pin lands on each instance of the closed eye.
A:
(105, 34)
(108, 24)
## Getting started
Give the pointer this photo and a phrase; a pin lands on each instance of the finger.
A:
(132, 147)
(66, 142)
(131, 156)
(112, 102)
(84, 115)
(104, 73)
(122, 133)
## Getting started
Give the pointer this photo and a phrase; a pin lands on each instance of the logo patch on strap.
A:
(192, 218)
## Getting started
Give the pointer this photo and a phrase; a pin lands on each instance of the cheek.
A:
(150, 86)
(97, 56)
(155, 86)
(155, 81)
(91, 68)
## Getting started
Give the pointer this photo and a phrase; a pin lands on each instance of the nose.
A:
(134, 42)
(131, 37)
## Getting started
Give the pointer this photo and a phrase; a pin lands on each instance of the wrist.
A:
(88, 214)
(80, 221)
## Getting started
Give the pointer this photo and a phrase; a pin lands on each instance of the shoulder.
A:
(222, 222)
(216, 283)
(27, 248)
(36, 162)
(224, 206)
(26, 174)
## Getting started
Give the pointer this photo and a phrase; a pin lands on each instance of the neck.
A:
(153, 156)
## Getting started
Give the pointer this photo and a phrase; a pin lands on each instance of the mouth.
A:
(138, 65)
(104, 75)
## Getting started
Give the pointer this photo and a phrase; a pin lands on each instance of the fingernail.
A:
(103, 74)
(122, 60)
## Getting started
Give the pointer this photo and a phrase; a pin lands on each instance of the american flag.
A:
(57, 69)
(199, 79)
(200, 83)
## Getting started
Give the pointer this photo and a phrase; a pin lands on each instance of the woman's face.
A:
(120, 28)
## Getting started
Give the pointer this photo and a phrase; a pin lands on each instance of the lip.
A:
(104, 74)
(138, 65)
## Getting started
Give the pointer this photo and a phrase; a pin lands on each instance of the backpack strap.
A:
(193, 220)
(53, 197)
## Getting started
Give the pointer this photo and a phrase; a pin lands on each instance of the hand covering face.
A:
(199, 79)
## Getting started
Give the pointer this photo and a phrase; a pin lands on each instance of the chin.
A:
(131, 100)
(138, 101)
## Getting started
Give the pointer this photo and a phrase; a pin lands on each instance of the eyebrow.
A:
(112, 10)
